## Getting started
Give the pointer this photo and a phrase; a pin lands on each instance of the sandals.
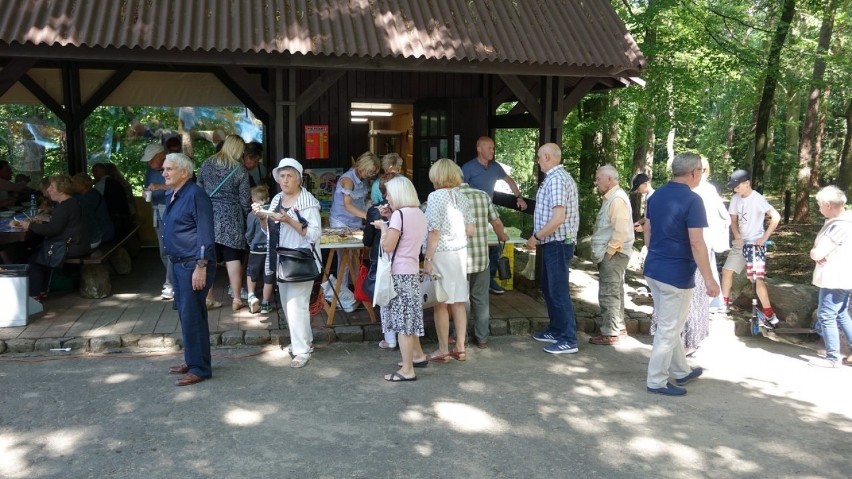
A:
(237, 305)
(458, 355)
(300, 360)
(213, 304)
(418, 364)
(395, 377)
(442, 358)
(384, 345)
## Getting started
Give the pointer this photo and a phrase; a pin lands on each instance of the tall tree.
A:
(810, 139)
(844, 177)
(767, 99)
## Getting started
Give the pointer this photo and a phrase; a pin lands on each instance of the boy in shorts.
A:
(748, 210)
(256, 238)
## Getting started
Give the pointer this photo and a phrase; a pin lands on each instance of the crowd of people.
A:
(227, 213)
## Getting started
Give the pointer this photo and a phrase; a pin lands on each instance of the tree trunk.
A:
(592, 155)
(764, 110)
(844, 176)
(809, 136)
(670, 152)
(613, 132)
(818, 139)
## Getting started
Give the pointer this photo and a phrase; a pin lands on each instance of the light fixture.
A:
(371, 113)
(359, 120)
(371, 106)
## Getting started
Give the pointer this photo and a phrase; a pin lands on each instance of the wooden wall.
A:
(332, 108)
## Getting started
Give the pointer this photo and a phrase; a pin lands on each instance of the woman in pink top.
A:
(401, 238)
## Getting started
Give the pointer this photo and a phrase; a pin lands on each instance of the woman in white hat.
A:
(292, 221)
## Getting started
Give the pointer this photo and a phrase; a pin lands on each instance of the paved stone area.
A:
(509, 411)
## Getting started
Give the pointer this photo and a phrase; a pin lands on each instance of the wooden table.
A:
(350, 255)
(9, 235)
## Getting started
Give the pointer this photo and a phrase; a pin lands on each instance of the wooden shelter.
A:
(447, 63)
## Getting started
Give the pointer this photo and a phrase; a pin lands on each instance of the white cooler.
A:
(16, 305)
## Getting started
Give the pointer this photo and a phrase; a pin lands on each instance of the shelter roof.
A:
(558, 37)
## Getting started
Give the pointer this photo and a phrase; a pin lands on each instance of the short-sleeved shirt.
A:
(751, 213)
(484, 213)
(359, 194)
(482, 178)
(557, 189)
(673, 210)
(448, 210)
(412, 221)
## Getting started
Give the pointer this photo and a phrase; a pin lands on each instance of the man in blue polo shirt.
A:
(674, 233)
(482, 173)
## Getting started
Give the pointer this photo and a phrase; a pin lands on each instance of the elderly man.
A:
(478, 273)
(155, 191)
(674, 233)
(482, 173)
(612, 243)
(188, 242)
(556, 220)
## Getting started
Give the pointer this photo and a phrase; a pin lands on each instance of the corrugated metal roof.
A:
(579, 33)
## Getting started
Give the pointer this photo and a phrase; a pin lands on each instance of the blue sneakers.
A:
(495, 288)
(669, 390)
(689, 377)
(544, 337)
(562, 347)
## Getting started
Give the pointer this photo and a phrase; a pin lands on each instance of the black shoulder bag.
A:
(296, 265)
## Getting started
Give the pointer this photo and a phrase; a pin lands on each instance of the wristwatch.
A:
(536, 237)
(200, 263)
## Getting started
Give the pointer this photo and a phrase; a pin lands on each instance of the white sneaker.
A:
(254, 304)
(168, 293)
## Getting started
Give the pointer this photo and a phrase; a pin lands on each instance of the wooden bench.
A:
(94, 274)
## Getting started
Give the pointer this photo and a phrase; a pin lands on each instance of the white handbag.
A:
(384, 292)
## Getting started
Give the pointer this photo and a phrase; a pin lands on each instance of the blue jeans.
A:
(833, 314)
(556, 257)
(192, 310)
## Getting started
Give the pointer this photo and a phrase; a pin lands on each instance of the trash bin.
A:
(14, 286)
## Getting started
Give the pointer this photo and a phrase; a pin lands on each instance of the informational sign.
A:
(316, 142)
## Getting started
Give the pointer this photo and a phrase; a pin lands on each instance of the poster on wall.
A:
(316, 142)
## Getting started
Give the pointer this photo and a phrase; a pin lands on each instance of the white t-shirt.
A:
(751, 214)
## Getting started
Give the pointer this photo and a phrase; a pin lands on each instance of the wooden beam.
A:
(45, 98)
(572, 99)
(105, 90)
(317, 88)
(75, 134)
(234, 78)
(523, 94)
(252, 85)
(13, 71)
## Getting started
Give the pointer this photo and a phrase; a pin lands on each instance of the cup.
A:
(148, 196)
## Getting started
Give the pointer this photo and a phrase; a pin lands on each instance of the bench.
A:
(94, 275)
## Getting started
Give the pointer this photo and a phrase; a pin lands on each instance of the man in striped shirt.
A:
(556, 221)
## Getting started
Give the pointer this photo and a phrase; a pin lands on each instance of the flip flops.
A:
(395, 377)
(418, 364)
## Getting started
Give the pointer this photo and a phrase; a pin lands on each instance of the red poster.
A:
(316, 142)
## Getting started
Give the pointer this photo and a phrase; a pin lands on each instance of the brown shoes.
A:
(481, 344)
(602, 340)
(182, 369)
(189, 379)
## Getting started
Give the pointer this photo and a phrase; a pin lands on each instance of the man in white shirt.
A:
(748, 209)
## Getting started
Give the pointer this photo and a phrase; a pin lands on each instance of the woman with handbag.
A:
(402, 238)
(65, 235)
(225, 180)
(373, 240)
(293, 227)
(450, 224)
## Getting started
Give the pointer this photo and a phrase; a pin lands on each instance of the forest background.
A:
(762, 85)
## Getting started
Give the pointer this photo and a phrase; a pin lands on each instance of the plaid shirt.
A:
(483, 212)
(557, 189)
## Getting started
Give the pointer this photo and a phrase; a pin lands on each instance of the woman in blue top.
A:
(349, 204)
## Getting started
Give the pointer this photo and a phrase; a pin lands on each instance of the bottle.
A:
(33, 205)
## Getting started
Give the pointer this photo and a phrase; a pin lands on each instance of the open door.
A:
(445, 128)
